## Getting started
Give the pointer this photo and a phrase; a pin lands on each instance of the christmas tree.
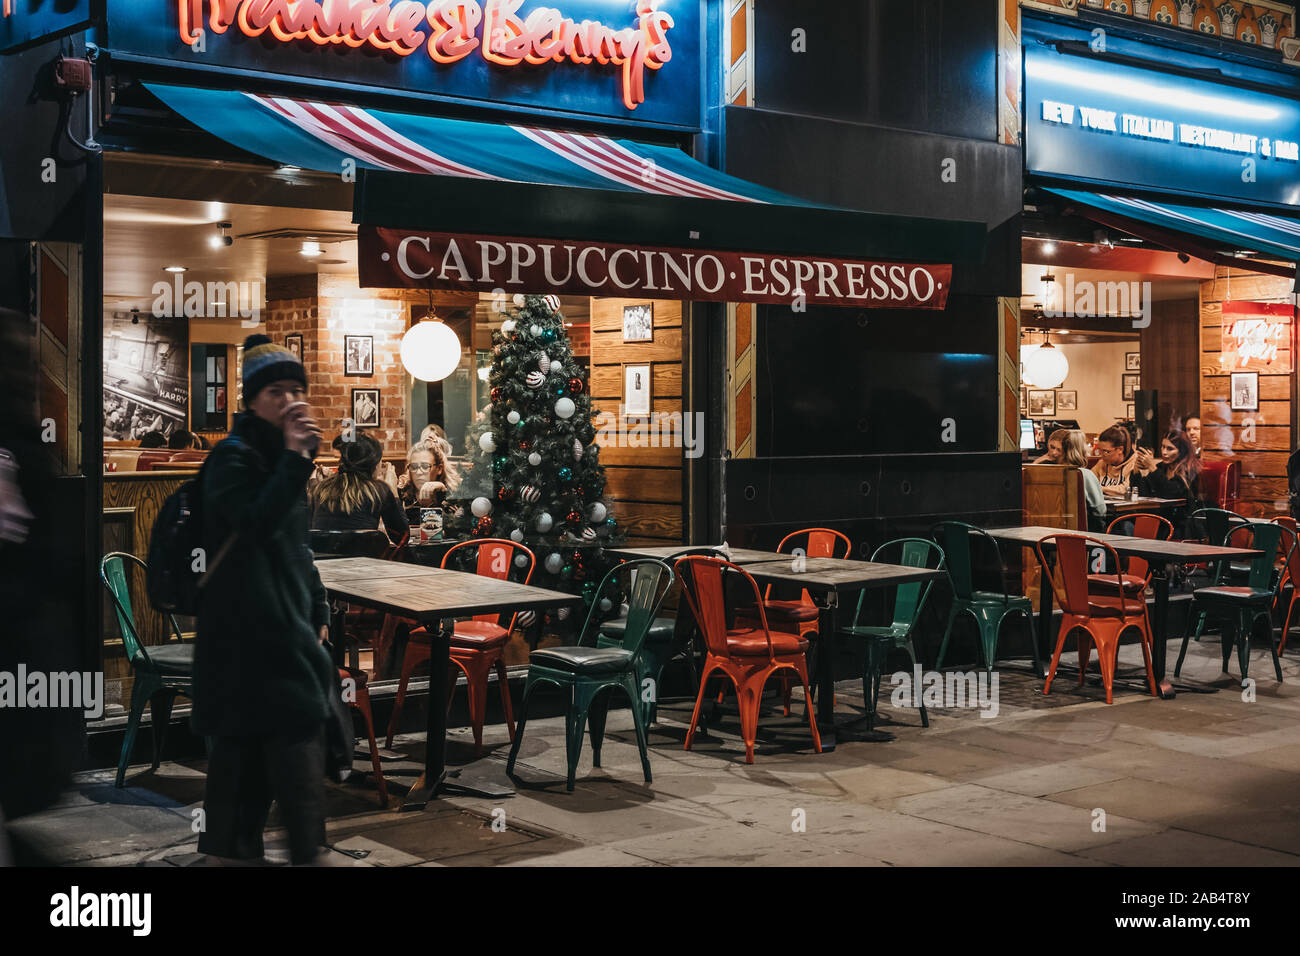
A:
(537, 478)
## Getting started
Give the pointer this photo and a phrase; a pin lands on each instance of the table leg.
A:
(435, 745)
(1159, 625)
(337, 612)
(827, 651)
(1045, 646)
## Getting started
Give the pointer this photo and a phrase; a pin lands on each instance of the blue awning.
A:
(1225, 228)
(485, 177)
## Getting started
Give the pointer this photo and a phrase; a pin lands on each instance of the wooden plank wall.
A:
(1261, 440)
(645, 483)
(1171, 359)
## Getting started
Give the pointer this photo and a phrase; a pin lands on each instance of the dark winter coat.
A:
(259, 667)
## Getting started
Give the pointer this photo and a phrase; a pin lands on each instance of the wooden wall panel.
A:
(1171, 362)
(1260, 440)
(645, 483)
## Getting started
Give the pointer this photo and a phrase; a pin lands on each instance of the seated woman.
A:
(424, 483)
(354, 498)
(1055, 449)
(1115, 445)
(1074, 454)
(434, 435)
(1176, 476)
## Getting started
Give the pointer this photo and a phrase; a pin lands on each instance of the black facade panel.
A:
(928, 66)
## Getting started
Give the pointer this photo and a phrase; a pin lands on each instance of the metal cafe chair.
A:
(1099, 619)
(161, 671)
(745, 655)
(909, 602)
(588, 675)
(1242, 606)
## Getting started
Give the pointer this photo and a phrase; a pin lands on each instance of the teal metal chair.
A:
(1242, 606)
(668, 639)
(161, 671)
(909, 602)
(590, 674)
(988, 608)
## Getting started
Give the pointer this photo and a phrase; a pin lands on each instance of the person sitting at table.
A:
(1074, 454)
(359, 494)
(1175, 476)
(423, 484)
(1192, 429)
(1114, 471)
(434, 435)
(153, 439)
(1055, 449)
(181, 440)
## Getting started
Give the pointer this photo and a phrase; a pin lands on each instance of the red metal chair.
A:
(477, 645)
(1100, 618)
(747, 656)
(1135, 575)
(361, 702)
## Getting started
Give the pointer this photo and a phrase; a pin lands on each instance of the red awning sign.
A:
(403, 259)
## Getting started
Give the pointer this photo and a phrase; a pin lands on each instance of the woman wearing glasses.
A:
(423, 484)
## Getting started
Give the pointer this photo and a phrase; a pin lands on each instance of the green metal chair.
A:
(909, 601)
(589, 674)
(668, 639)
(1219, 526)
(988, 608)
(1241, 606)
(161, 671)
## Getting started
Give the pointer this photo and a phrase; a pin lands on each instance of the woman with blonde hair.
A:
(434, 436)
(1074, 454)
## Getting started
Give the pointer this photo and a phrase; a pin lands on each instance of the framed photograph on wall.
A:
(358, 355)
(1132, 361)
(1130, 384)
(365, 407)
(636, 389)
(1245, 392)
(1042, 401)
(1128, 411)
(1024, 400)
(638, 323)
(1067, 400)
(294, 344)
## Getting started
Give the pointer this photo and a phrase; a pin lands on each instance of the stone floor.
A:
(1210, 778)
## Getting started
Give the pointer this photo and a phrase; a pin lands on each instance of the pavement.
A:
(1211, 778)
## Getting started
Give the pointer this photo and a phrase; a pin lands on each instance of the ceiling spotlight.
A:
(1049, 247)
(221, 240)
(174, 268)
(216, 211)
(310, 249)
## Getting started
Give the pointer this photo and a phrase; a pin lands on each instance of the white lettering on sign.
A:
(1257, 339)
(1055, 112)
(1156, 128)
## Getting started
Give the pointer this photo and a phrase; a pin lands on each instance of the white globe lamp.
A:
(1046, 366)
(430, 350)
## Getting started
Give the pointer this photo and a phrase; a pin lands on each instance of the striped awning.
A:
(511, 179)
(1226, 228)
(324, 136)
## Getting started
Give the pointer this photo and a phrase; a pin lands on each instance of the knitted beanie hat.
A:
(265, 362)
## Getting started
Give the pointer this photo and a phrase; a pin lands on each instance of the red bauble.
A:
(483, 527)
(496, 394)
(525, 445)
(574, 516)
(575, 385)
(505, 493)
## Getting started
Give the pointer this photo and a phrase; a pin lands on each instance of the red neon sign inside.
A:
(450, 30)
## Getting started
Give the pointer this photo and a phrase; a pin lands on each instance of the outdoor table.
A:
(826, 579)
(1158, 554)
(663, 553)
(428, 595)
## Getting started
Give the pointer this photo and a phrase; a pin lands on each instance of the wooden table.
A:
(428, 595)
(738, 555)
(1122, 506)
(1158, 554)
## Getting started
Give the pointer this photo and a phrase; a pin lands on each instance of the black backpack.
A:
(178, 566)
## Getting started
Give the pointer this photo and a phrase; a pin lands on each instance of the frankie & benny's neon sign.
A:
(453, 31)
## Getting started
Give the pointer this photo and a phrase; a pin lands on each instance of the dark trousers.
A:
(245, 774)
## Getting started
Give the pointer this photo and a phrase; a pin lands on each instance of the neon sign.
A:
(449, 31)
(1257, 335)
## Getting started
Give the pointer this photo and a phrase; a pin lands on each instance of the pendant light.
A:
(430, 349)
(1047, 366)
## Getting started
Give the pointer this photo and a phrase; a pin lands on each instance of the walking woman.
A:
(261, 676)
